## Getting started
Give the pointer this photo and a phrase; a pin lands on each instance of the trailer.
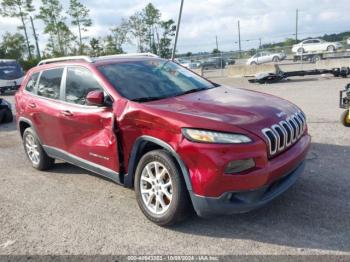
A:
(279, 75)
(313, 57)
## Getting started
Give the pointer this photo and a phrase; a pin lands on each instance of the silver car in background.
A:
(316, 45)
(265, 57)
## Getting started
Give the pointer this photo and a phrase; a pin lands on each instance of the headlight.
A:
(205, 136)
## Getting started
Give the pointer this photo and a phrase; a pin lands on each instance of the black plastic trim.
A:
(85, 164)
(135, 156)
(223, 205)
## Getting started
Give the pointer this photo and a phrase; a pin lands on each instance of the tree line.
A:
(66, 28)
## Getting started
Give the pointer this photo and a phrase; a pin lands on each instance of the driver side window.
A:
(79, 82)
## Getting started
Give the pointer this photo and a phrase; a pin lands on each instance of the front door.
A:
(88, 131)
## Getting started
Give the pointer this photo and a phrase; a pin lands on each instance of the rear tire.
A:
(35, 152)
(331, 48)
(345, 118)
(275, 59)
(164, 199)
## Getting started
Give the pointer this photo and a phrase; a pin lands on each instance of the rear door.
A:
(308, 45)
(88, 131)
(44, 106)
(265, 58)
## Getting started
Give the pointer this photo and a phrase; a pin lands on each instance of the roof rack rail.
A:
(127, 55)
(65, 58)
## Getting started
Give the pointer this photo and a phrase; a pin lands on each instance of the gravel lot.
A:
(71, 211)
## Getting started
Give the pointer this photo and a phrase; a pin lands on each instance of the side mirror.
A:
(95, 98)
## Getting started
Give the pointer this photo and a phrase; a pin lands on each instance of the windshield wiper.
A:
(146, 99)
(191, 91)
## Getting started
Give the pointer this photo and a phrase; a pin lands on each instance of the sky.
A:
(202, 20)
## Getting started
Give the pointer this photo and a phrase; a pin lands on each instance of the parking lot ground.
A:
(68, 210)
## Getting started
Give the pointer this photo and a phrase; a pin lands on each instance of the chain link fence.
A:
(216, 64)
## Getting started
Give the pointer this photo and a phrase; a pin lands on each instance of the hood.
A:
(245, 109)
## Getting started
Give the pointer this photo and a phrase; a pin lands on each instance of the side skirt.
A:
(77, 161)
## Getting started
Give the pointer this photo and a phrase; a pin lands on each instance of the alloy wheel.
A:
(156, 188)
(32, 149)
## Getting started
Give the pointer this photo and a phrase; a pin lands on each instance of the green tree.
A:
(110, 47)
(216, 51)
(12, 46)
(60, 37)
(151, 17)
(169, 29)
(80, 18)
(120, 35)
(19, 9)
(138, 30)
(95, 47)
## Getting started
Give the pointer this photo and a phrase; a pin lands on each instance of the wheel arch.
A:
(145, 144)
(23, 124)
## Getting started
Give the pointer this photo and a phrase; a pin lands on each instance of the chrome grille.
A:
(284, 134)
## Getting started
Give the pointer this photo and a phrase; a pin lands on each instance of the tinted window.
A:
(152, 79)
(50, 83)
(10, 70)
(32, 83)
(79, 83)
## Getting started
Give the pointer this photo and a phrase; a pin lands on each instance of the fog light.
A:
(238, 166)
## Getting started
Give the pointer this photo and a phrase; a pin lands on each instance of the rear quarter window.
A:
(50, 83)
(33, 80)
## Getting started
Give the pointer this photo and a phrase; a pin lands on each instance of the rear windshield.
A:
(10, 70)
(152, 79)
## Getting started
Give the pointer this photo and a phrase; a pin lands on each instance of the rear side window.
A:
(50, 83)
(32, 83)
(80, 81)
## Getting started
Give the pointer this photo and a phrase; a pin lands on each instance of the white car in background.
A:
(315, 45)
(188, 63)
(265, 57)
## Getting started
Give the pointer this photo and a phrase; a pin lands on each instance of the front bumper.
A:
(241, 202)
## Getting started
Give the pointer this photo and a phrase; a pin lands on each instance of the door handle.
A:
(66, 113)
(32, 105)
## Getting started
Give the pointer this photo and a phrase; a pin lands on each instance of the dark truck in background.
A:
(11, 75)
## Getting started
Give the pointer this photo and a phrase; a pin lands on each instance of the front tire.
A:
(345, 118)
(160, 189)
(35, 152)
(301, 50)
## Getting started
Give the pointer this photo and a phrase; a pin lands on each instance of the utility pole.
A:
(36, 39)
(296, 25)
(239, 39)
(216, 39)
(177, 30)
(259, 43)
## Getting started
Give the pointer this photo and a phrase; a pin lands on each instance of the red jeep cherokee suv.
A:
(180, 140)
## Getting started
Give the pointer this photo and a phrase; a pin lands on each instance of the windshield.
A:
(10, 70)
(152, 79)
